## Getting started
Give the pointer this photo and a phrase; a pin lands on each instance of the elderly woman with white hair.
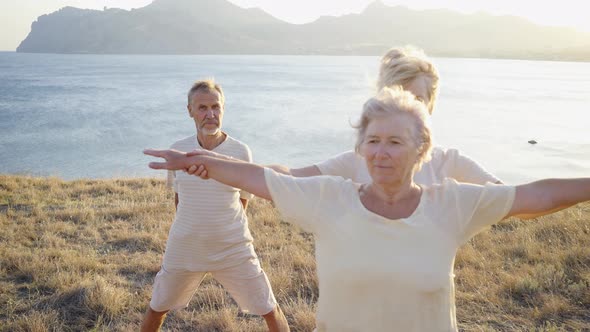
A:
(385, 249)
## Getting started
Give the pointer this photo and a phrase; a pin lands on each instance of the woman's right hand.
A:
(175, 160)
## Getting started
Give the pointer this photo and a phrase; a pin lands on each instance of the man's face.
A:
(206, 110)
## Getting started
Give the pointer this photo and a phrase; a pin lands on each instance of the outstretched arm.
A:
(550, 195)
(235, 173)
(302, 172)
(344, 164)
(201, 170)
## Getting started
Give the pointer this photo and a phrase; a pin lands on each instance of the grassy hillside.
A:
(82, 255)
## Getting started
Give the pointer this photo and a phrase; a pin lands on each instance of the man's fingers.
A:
(191, 170)
(201, 172)
(157, 165)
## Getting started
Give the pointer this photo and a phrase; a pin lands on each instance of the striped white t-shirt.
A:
(210, 231)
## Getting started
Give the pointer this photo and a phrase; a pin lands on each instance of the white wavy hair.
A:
(392, 101)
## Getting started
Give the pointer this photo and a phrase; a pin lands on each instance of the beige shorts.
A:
(246, 283)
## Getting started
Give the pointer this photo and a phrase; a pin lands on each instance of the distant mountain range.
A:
(220, 27)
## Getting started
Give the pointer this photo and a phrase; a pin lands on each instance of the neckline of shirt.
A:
(379, 218)
(198, 145)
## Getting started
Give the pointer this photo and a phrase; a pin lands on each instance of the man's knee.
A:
(154, 313)
(274, 312)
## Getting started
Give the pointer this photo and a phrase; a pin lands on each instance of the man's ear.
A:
(188, 108)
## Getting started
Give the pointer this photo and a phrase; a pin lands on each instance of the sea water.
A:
(90, 116)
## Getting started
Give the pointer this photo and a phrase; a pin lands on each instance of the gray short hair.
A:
(395, 100)
(402, 65)
(206, 85)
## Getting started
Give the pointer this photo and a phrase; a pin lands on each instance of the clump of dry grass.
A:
(82, 255)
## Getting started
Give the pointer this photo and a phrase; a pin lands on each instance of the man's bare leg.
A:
(152, 321)
(276, 321)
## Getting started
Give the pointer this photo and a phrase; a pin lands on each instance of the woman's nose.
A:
(381, 151)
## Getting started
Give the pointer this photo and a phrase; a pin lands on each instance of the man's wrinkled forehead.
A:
(207, 96)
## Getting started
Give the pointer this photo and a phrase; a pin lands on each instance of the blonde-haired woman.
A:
(409, 68)
(385, 248)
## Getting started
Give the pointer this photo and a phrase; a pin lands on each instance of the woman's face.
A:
(419, 87)
(390, 150)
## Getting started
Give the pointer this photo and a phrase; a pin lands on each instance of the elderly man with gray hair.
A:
(210, 232)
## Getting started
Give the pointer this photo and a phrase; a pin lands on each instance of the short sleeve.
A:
(481, 206)
(171, 176)
(248, 158)
(303, 201)
(464, 169)
(171, 181)
(339, 165)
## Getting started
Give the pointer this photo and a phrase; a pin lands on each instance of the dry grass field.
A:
(81, 256)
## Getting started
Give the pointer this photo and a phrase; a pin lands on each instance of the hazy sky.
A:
(16, 16)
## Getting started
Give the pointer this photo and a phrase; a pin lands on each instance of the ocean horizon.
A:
(90, 116)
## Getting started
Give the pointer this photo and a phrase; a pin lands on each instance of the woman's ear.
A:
(421, 151)
(360, 150)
